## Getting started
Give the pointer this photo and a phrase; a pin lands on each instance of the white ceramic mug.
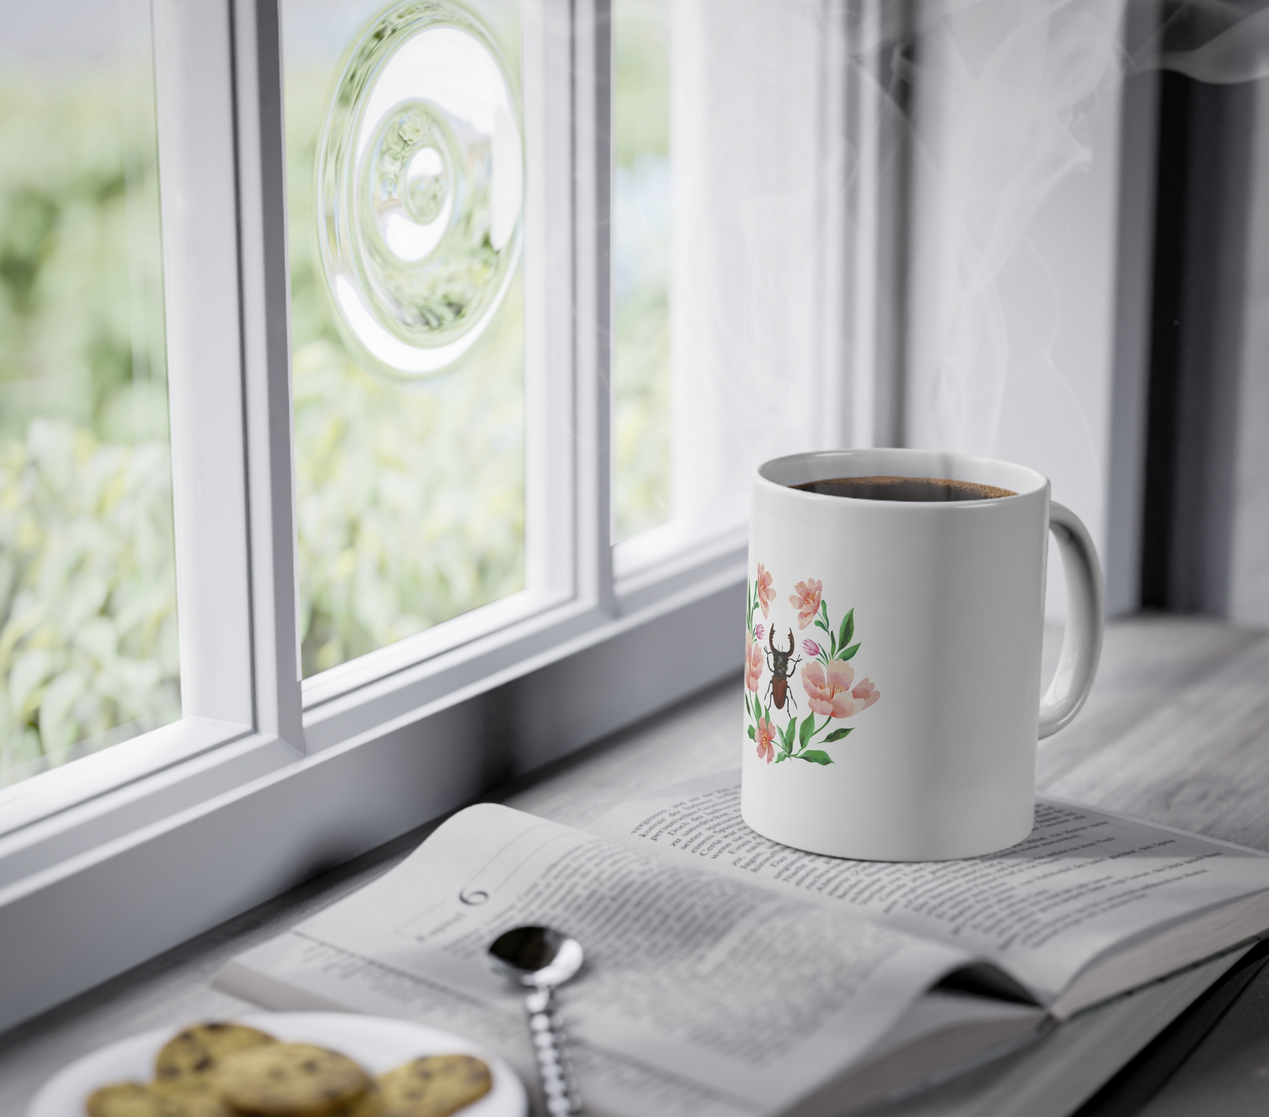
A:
(892, 664)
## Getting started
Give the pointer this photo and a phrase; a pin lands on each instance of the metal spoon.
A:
(542, 958)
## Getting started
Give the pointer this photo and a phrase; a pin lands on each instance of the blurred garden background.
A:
(410, 498)
(410, 495)
(88, 638)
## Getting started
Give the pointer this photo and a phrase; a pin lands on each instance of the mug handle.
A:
(1082, 643)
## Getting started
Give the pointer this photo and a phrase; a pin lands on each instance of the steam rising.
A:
(1216, 41)
(1238, 50)
(1011, 111)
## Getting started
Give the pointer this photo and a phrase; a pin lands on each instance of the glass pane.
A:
(405, 315)
(88, 642)
(641, 266)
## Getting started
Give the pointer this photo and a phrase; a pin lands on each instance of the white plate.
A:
(376, 1043)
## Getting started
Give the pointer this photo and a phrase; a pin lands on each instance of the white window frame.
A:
(267, 779)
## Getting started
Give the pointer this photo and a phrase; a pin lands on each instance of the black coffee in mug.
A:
(927, 489)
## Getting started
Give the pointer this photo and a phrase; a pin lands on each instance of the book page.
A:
(700, 995)
(1082, 884)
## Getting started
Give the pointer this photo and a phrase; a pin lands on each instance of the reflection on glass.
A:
(419, 184)
(410, 495)
(88, 640)
(641, 266)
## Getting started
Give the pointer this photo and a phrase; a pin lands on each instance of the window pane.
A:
(88, 643)
(641, 265)
(409, 444)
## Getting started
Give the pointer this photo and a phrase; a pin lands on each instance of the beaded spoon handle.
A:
(543, 958)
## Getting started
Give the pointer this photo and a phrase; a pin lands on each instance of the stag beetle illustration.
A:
(781, 670)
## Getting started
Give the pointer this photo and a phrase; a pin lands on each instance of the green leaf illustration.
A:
(847, 629)
(781, 756)
(786, 737)
(849, 653)
(820, 624)
(832, 645)
(815, 756)
(838, 734)
(753, 733)
(808, 728)
(748, 709)
(824, 610)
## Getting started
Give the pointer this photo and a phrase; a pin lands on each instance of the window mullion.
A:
(592, 224)
(551, 558)
(266, 366)
(224, 232)
(194, 95)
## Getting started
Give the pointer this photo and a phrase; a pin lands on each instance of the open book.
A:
(729, 975)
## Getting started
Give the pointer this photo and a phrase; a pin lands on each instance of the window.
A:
(409, 480)
(88, 640)
(420, 545)
(394, 583)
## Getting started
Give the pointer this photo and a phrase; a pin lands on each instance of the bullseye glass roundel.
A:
(420, 186)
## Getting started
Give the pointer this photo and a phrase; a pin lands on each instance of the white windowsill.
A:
(89, 777)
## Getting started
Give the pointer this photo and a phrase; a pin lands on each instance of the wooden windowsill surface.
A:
(1176, 731)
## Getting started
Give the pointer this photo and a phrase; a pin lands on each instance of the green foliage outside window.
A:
(410, 497)
(88, 643)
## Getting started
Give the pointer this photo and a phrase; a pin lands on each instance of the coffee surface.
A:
(930, 489)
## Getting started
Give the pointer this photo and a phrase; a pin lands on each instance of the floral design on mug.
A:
(765, 588)
(828, 690)
(805, 598)
(766, 734)
(828, 679)
(866, 692)
(753, 664)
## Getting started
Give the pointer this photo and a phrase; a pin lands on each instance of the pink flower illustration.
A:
(753, 665)
(766, 589)
(759, 633)
(866, 693)
(806, 600)
(766, 734)
(809, 646)
(828, 689)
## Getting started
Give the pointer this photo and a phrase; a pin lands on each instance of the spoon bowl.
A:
(537, 957)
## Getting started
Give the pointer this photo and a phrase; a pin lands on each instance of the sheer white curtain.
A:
(757, 149)
(1016, 177)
